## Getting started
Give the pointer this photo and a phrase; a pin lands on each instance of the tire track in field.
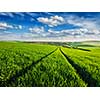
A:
(82, 49)
(24, 70)
(84, 75)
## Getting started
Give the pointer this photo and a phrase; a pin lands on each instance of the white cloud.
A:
(54, 32)
(52, 21)
(86, 28)
(4, 26)
(59, 18)
(7, 14)
(91, 24)
(37, 30)
(86, 25)
(34, 37)
(20, 26)
(72, 32)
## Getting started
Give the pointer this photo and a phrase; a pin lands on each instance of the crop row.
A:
(14, 58)
(87, 64)
(54, 70)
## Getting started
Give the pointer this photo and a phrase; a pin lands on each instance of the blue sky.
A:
(57, 26)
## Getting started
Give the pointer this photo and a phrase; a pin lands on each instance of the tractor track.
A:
(84, 75)
(23, 71)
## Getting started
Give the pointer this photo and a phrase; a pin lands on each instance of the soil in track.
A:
(84, 75)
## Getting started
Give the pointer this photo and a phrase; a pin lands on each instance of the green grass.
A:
(37, 64)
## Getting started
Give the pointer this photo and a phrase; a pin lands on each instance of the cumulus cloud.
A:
(54, 32)
(86, 25)
(32, 37)
(91, 24)
(18, 27)
(71, 32)
(13, 36)
(5, 26)
(37, 29)
(52, 21)
(20, 37)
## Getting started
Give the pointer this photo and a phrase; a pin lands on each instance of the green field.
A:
(49, 65)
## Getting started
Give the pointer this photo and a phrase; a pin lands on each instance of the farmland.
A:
(49, 65)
